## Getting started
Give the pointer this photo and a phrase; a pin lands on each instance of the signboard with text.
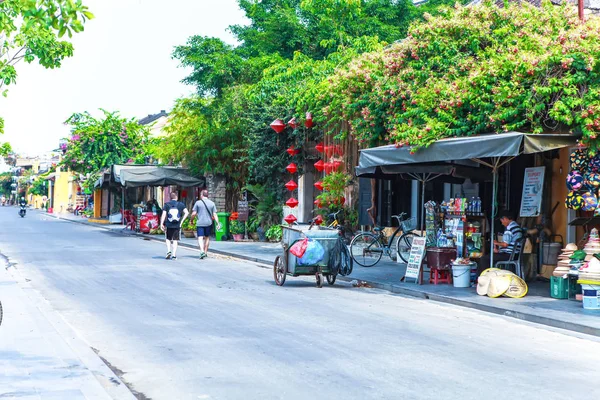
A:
(243, 211)
(415, 259)
(533, 187)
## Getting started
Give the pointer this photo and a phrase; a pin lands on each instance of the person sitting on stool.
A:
(513, 234)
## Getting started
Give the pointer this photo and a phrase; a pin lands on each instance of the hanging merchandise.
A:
(292, 123)
(278, 125)
(320, 147)
(590, 201)
(574, 201)
(292, 168)
(580, 160)
(592, 180)
(309, 120)
(575, 181)
(291, 186)
(320, 165)
(319, 185)
(290, 219)
(594, 164)
(292, 203)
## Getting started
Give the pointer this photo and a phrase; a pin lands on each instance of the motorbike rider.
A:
(22, 202)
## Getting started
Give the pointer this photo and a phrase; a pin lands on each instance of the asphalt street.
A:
(221, 329)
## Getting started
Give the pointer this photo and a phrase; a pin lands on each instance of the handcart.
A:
(328, 267)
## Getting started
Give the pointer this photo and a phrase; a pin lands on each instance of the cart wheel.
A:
(319, 277)
(279, 270)
(331, 278)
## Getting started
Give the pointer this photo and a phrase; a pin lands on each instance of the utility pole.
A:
(580, 7)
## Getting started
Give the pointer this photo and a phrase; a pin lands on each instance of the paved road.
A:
(221, 329)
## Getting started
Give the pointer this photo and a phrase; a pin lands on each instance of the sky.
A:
(122, 62)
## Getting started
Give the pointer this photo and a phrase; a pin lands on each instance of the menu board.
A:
(243, 211)
(415, 259)
(533, 187)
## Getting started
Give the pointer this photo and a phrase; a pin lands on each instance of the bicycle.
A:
(341, 255)
(345, 233)
(366, 249)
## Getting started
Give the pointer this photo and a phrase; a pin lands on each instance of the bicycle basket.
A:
(409, 224)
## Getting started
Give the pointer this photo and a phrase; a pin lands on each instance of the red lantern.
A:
(290, 219)
(309, 120)
(292, 168)
(278, 125)
(320, 165)
(337, 165)
(292, 123)
(320, 147)
(292, 202)
(318, 220)
(342, 201)
(339, 150)
(329, 150)
(319, 185)
(292, 151)
(328, 167)
(291, 186)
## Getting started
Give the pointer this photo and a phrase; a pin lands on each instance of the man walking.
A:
(173, 215)
(206, 211)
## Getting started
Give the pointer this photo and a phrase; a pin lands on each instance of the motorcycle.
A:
(22, 211)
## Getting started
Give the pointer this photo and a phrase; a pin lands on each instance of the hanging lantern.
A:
(291, 186)
(320, 147)
(339, 150)
(292, 202)
(329, 150)
(328, 167)
(319, 165)
(290, 219)
(291, 151)
(337, 165)
(319, 185)
(309, 120)
(278, 125)
(292, 123)
(318, 220)
(292, 168)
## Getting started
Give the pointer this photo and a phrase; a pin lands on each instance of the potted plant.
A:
(252, 226)
(274, 233)
(189, 228)
(237, 229)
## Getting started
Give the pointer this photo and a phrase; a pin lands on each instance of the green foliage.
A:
(189, 224)
(274, 233)
(332, 198)
(5, 148)
(39, 187)
(253, 224)
(31, 30)
(266, 202)
(96, 144)
(474, 70)
(5, 183)
(236, 227)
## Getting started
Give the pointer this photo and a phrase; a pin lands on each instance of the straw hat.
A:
(498, 286)
(517, 289)
(483, 283)
(570, 247)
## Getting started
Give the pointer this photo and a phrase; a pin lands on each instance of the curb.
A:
(396, 289)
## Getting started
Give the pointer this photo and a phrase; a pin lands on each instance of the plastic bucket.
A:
(461, 275)
(591, 297)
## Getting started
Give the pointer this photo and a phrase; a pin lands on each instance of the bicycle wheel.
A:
(366, 249)
(345, 261)
(404, 244)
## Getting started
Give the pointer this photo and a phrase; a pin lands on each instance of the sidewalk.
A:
(537, 306)
(41, 356)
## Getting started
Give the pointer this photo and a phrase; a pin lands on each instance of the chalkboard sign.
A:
(415, 259)
(243, 211)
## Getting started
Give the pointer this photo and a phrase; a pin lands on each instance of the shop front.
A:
(522, 173)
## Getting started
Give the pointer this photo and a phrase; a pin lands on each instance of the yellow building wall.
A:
(98, 203)
(64, 191)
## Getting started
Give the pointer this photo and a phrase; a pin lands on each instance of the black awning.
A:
(149, 175)
(480, 147)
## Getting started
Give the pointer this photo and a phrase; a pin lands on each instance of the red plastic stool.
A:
(440, 276)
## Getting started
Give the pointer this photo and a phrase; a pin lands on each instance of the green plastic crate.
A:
(559, 287)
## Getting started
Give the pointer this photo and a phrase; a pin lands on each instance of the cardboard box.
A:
(547, 270)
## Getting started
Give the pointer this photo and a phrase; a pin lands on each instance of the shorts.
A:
(173, 234)
(204, 231)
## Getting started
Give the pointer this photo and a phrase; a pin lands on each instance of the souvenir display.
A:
(575, 181)
(590, 201)
(574, 201)
(580, 160)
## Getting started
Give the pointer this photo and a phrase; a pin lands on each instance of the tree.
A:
(96, 144)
